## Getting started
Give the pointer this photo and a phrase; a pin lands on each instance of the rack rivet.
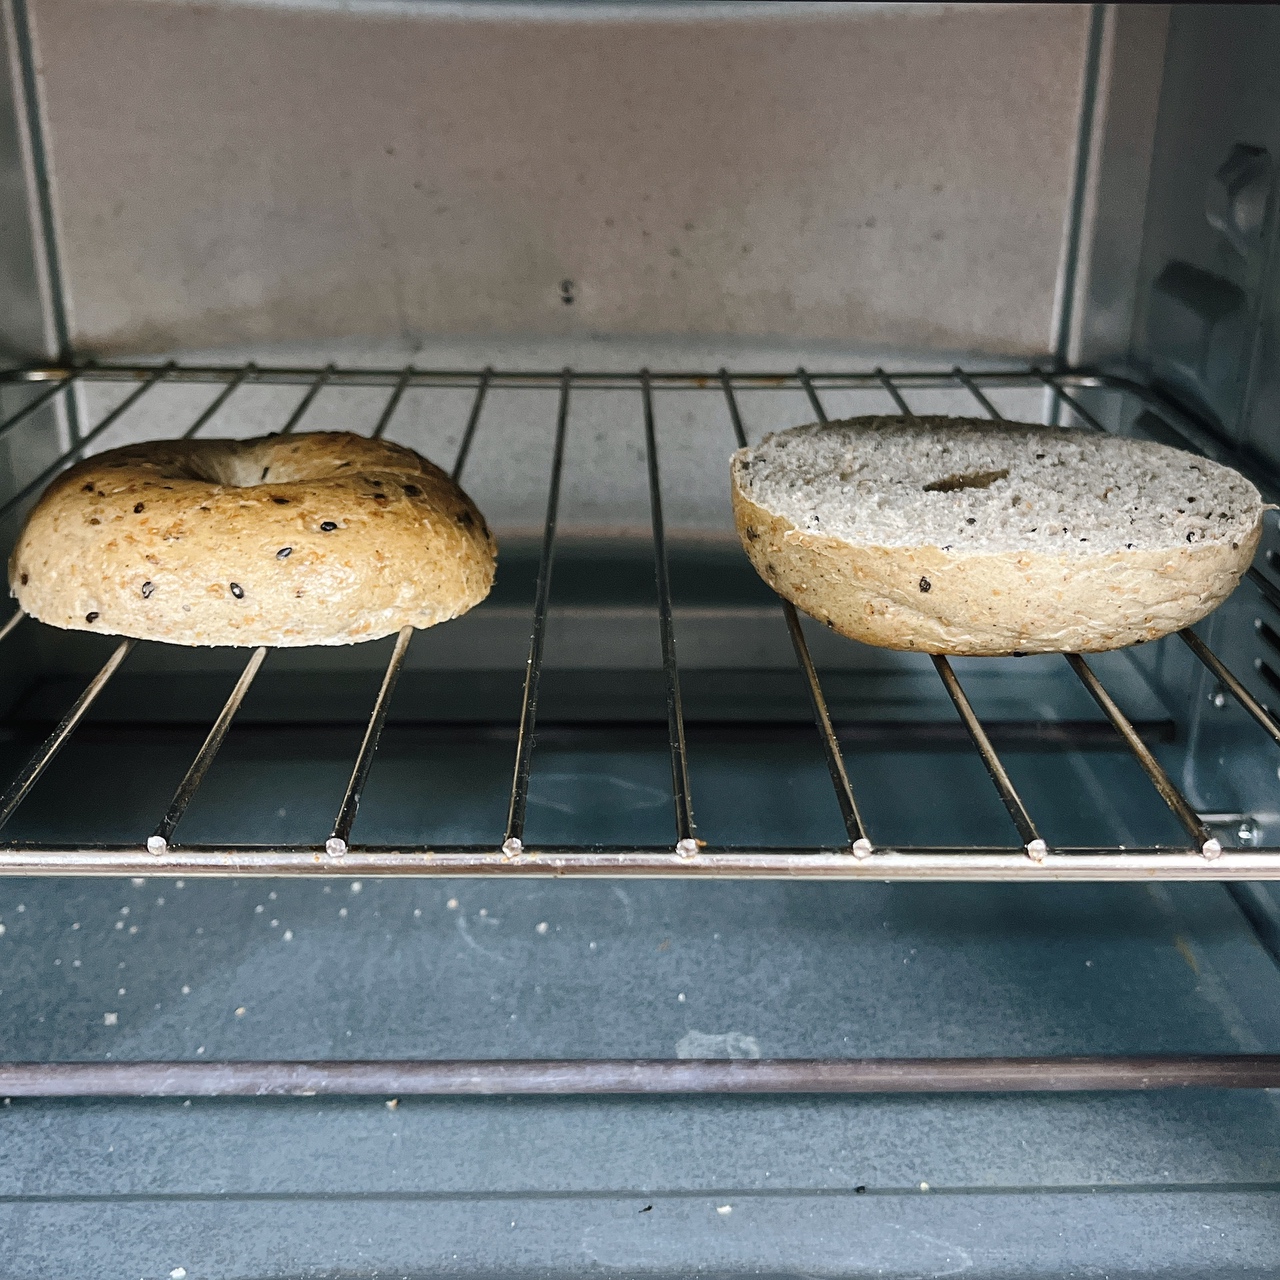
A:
(1211, 849)
(335, 846)
(157, 844)
(512, 845)
(687, 848)
(1037, 850)
(862, 848)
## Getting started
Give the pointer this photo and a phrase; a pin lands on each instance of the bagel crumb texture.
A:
(963, 536)
(321, 539)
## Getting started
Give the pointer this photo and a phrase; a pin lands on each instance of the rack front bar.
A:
(708, 863)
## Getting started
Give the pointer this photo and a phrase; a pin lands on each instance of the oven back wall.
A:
(886, 175)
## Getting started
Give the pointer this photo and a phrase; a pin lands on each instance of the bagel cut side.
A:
(319, 539)
(971, 537)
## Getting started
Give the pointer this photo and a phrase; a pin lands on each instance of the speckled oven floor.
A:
(1073, 1185)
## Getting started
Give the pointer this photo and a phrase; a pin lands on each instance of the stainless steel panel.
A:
(1116, 169)
(29, 316)
(1205, 318)
(27, 326)
(884, 174)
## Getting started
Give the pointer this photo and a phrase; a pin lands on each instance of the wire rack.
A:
(1202, 856)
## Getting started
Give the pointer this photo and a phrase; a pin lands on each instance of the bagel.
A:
(319, 539)
(964, 536)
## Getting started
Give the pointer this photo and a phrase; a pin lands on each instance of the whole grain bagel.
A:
(320, 539)
(963, 536)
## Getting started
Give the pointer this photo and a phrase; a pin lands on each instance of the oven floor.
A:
(1068, 1185)
(993, 1186)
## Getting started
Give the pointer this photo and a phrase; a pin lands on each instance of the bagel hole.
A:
(247, 471)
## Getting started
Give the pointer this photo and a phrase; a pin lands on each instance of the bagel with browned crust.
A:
(320, 539)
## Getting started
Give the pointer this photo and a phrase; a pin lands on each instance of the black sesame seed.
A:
(328, 526)
(91, 617)
(281, 502)
(147, 589)
(24, 579)
(87, 489)
(264, 473)
(237, 590)
(464, 519)
(925, 585)
(138, 508)
(284, 553)
(412, 490)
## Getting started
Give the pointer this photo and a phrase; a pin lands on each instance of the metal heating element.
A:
(1202, 857)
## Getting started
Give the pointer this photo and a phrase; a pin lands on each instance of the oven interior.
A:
(631, 807)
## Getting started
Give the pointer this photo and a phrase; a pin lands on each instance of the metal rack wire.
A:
(1203, 857)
